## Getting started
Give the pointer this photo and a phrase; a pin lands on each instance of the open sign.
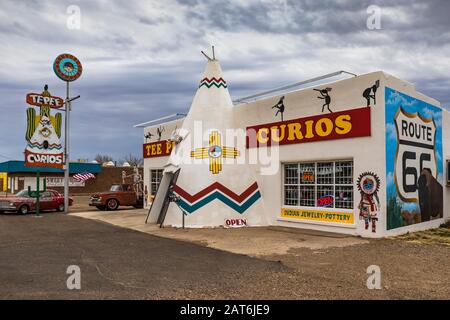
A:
(326, 201)
(235, 223)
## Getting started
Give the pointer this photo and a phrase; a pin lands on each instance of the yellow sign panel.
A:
(318, 215)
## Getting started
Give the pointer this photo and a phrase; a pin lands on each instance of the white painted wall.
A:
(158, 162)
(368, 153)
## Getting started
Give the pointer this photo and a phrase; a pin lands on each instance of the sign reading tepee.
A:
(43, 136)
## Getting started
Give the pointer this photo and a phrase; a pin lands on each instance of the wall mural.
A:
(414, 160)
(280, 108)
(369, 206)
(215, 152)
(371, 93)
(160, 131)
(148, 136)
(325, 95)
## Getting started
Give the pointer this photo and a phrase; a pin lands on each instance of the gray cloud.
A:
(141, 58)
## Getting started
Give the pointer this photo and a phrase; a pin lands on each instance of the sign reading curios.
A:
(339, 125)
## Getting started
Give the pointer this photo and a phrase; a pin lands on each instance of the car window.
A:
(116, 188)
(23, 194)
(47, 195)
(53, 193)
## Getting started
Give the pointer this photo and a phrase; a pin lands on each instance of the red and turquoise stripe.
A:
(239, 203)
(213, 82)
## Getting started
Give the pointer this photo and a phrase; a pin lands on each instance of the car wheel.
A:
(24, 210)
(101, 208)
(112, 204)
(61, 208)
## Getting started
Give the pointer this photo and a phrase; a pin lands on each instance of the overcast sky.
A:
(142, 59)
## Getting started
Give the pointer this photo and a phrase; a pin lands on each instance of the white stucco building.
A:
(367, 155)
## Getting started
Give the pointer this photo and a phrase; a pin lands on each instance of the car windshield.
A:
(117, 187)
(23, 194)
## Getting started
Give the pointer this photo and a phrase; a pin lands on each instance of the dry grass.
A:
(436, 236)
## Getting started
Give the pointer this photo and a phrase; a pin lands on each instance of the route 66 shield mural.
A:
(414, 162)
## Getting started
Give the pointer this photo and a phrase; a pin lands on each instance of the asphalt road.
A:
(119, 263)
(115, 263)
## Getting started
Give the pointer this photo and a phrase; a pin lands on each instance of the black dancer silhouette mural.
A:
(148, 136)
(368, 93)
(280, 108)
(160, 131)
(325, 95)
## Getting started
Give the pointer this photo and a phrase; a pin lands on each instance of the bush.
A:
(446, 225)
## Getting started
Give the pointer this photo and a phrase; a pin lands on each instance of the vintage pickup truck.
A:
(119, 195)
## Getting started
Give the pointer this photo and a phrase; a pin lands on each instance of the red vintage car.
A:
(22, 203)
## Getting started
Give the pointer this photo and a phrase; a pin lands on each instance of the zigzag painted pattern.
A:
(41, 146)
(239, 203)
(213, 82)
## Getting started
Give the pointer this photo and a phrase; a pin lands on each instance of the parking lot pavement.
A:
(115, 263)
(119, 263)
(259, 242)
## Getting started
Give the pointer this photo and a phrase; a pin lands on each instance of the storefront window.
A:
(291, 185)
(155, 180)
(319, 184)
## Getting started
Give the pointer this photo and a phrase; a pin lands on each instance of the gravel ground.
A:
(118, 263)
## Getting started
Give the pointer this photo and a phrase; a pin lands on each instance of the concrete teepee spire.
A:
(212, 187)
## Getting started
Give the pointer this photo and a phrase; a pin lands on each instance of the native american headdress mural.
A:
(369, 206)
(205, 173)
(43, 136)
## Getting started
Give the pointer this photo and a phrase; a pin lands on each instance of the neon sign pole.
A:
(68, 68)
(66, 150)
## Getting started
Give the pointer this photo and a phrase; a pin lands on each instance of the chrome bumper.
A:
(95, 202)
(5, 206)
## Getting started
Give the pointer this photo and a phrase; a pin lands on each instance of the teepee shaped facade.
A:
(45, 139)
(214, 185)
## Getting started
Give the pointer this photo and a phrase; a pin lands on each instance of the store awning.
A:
(76, 167)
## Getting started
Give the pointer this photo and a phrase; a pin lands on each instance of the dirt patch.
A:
(254, 242)
(439, 236)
